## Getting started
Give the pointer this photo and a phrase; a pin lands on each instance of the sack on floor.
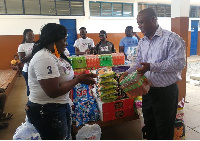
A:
(26, 132)
(89, 132)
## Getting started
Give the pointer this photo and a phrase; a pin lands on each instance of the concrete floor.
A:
(15, 104)
(126, 131)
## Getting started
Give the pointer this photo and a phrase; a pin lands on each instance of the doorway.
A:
(194, 37)
(70, 25)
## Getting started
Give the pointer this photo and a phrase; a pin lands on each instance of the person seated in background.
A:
(104, 46)
(3, 115)
(16, 65)
(83, 44)
(128, 45)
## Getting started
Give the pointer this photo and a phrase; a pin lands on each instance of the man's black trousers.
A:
(159, 109)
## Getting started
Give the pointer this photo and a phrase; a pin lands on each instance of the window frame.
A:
(155, 6)
(40, 8)
(196, 11)
(102, 2)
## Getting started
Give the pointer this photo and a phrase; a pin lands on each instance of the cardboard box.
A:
(114, 110)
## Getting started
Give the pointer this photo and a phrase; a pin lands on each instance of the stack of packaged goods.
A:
(106, 86)
(92, 61)
(80, 71)
(134, 85)
(119, 70)
(110, 105)
(121, 94)
(112, 101)
(138, 110)
(118, 58)
(106, 60)
(79, 62)
(85, 107)
(179, 126)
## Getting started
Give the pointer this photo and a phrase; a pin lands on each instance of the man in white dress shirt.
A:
(161, 58)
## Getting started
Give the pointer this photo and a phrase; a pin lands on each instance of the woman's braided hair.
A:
(50, 33)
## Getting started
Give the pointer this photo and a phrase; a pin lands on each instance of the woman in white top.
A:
(25, 53)
(51, 77)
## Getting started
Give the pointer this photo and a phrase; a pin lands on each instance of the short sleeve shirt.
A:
(128, 43)
(105, 48)
(27, 49)
(45, 65)
(82, 44)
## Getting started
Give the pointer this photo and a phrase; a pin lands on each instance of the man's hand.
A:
(145, 67)
(135, 34)
(87, 51)
(123, 76)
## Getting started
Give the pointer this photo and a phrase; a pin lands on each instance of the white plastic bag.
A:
(89, 132)
(26, 132)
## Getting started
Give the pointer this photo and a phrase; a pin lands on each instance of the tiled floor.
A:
(126, 131)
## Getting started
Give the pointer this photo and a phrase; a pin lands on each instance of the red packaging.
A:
(117, 109)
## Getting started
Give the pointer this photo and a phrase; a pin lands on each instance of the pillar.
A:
(180, 25)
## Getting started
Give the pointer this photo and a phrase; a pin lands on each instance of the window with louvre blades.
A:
(77, 7)
(117, 9)
(111, 9)
(32, 7)
(48, 7)
(106, 9)
(160, 9)
(14, 7)
(95, 9)
(2, 7)
(168, 11)
(62, 7)
(128, 10)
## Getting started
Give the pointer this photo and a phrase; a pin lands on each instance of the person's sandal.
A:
(3, 125)
(5, 116)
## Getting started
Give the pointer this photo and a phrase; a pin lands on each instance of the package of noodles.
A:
(107, 85)
(135, 85)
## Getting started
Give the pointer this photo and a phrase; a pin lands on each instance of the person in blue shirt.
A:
(128, 45)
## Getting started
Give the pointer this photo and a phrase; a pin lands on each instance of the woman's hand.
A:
(123, 76)
(87, 78)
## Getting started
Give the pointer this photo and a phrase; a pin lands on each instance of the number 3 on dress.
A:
(50, 71)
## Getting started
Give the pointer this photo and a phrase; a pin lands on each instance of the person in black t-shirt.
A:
(104, 46)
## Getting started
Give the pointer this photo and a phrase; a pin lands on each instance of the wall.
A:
(12, 27)
(9, 45)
